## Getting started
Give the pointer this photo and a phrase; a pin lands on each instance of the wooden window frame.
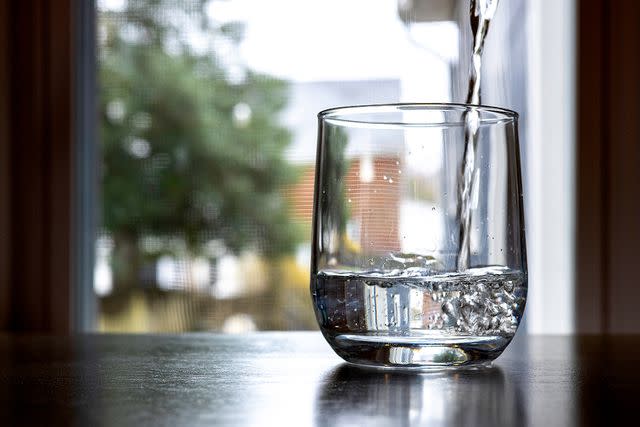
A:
(45, 130)
(608, 172)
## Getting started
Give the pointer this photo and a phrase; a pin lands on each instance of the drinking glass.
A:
(401, 190)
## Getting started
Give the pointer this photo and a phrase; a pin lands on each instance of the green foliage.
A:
(177, 161)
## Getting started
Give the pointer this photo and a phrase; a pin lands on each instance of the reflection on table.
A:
(482, 396)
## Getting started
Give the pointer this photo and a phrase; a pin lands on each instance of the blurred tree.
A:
(191, 146)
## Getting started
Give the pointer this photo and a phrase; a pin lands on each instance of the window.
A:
(208, 131)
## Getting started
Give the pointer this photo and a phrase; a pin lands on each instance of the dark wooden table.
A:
(293, 378)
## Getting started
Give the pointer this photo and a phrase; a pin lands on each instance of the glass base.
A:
(417, 351)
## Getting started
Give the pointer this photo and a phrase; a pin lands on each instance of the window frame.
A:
(49, 152)
(46, 148)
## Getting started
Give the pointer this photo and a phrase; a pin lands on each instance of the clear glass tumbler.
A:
(418, 256)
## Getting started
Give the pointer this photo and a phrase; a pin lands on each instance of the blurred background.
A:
(173, 189)
(207, 135)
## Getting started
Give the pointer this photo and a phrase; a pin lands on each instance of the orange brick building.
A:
(373, 201)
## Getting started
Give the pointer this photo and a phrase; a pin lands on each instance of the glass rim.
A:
(346, 114)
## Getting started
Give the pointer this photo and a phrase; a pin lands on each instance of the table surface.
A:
(293, 378)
